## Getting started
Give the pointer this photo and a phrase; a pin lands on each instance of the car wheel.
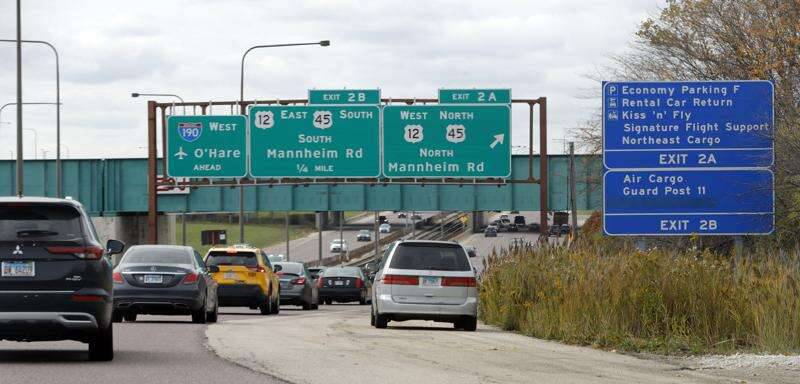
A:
(199, 317)
(212, 316)
(101, 348)
(266, 307)
(381, 321)
(314, 306)
(469, 325)
(276, 306)
(328, 301)
(306, 306)
(372, 316)
(130, 316)
(116, 317)
(362, 301)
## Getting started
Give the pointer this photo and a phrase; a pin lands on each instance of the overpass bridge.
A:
(116, 189)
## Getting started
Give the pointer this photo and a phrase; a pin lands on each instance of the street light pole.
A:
(58, 102)
(20, 180)
(185, 197)
(323, 43)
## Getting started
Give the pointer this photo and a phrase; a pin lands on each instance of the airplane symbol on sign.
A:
(181, 154)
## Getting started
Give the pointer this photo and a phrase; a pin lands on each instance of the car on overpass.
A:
(55, 275)
(297, 286)
(490, 231)
(364, 235)
(426, 280)
(246, 278)
(164, 280)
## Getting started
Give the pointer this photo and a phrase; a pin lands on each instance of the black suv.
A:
(55, 276)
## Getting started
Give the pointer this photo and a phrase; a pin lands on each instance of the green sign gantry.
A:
(474, 96)
(464, 141)
(207, 146)
(315, 141)
(344, 96)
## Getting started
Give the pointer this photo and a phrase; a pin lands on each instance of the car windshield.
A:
(430, 256)
(342, 272)
(247, 259)
(291, 268)
(156, 255)
(50, 222)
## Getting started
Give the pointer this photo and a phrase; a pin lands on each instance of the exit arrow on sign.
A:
(498, 139)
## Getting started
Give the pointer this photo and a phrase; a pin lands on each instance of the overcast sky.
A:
(193, 48)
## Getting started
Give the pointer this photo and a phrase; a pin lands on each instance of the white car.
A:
(338, 246)
(385, 228)
(425, 280)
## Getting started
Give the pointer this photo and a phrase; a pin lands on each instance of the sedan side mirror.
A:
(277, 268)
(114, 247)
(213, 269)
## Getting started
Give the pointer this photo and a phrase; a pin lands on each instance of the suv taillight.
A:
(258, 268)
(458, 281)
(400, 280)
(88, 253)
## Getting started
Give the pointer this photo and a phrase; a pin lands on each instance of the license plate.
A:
(18, 269)
(428, 281)
(338, 282)
(153, 279)
(230, 275)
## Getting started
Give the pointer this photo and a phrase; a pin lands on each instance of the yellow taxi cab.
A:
(246, 278)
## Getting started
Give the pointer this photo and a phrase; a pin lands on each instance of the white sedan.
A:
(385, 228)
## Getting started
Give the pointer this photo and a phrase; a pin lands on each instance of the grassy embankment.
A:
(605, 293)
(260, 235)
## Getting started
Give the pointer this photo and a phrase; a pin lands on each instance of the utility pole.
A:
(20, 181)
(286, 225)
(572, 204)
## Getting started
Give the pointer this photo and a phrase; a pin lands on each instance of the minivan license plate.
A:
(18, 269)
(153, 279)
(428, 281)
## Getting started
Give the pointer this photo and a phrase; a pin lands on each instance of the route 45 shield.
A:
(190, 132)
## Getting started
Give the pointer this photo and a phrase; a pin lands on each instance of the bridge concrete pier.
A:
(132, 229)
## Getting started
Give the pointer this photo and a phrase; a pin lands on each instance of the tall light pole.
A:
(19, 139)
(186, 198)
(58, 96)
(20, 188)
(242, 109)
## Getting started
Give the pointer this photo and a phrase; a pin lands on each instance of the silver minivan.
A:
(425, 280)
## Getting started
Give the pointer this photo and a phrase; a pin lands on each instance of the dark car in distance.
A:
(297, 285)
(55, 275)
(342, 285)
(164, 280)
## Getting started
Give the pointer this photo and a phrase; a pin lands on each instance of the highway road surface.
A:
(306, 249)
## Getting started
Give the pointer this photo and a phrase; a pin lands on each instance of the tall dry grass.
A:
(609, 295)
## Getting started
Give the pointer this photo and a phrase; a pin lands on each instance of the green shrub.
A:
(610, 295)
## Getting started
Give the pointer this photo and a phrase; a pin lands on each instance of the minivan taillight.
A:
(400, 280)
(88, 253)
(458, 281)
(319, 282)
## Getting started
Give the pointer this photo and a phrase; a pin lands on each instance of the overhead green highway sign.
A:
(315, 141)
(467, 141)
(207, 146)
(344, 96)
(474, 96)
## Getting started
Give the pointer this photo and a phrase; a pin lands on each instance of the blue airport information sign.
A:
(688, 157)
(688, 124)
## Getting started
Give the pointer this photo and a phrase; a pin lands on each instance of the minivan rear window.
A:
(247, 259)
(436, 257)
(42, 222)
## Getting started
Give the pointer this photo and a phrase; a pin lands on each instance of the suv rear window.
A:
(31, 221)
(247, 259)
(436, 257)
(153, 255)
